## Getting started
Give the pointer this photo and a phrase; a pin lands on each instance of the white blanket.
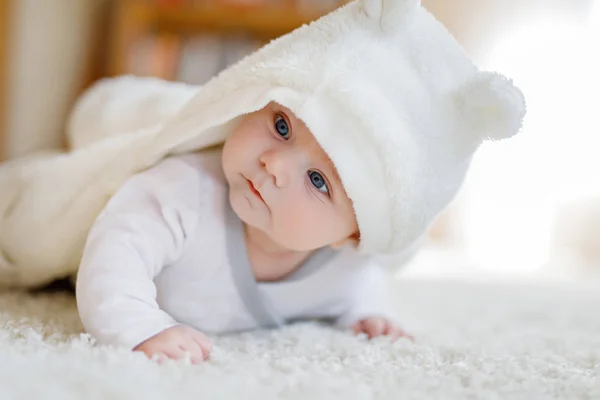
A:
(121, 126)
(48, 201)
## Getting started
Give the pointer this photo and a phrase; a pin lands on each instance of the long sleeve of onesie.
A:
(371, 297)
(142, 229)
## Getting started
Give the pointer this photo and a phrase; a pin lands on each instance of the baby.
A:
(183, 247)
(342, 141)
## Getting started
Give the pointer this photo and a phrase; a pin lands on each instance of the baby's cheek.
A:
(301, 230)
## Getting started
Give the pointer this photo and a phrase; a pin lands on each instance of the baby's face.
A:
(283, 183)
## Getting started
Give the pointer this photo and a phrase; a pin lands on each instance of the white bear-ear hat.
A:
(391, 97)
(421, 108)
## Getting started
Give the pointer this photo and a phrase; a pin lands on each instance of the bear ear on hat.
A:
(390, 13)
(491, 107)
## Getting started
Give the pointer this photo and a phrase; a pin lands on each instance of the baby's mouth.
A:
(253, 190)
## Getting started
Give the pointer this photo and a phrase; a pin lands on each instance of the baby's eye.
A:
(282, 128)
(317, 180)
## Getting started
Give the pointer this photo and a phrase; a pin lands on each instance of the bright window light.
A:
(515, 187)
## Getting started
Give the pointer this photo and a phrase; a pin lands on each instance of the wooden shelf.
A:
(132, 19)
(272, 21)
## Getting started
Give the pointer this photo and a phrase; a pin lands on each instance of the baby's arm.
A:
(142, 229)
(370, 308)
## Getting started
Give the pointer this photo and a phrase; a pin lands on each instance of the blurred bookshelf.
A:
(193, 40)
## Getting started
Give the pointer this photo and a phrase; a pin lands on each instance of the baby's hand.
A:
(377, 326)
(175, 343)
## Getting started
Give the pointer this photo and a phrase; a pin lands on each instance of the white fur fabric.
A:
(487, 341)
(48, 201)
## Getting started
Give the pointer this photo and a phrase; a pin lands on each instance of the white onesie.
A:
(168, 249)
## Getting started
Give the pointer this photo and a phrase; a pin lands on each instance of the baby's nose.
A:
(282, 165)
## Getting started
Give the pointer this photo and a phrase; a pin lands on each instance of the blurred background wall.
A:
(50, 45)
(530, 206)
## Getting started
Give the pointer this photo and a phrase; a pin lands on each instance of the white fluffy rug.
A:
(474, 342)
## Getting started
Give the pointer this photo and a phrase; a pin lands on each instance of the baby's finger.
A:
(152, 353)
(392, 330)
(358, 328)
(203, 342)
(159, 358)
(204, 347)
(397, 333)
(374, 327)
(175, 351)
(194, 351)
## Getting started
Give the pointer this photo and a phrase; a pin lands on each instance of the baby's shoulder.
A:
(184, 183)
(182, 173)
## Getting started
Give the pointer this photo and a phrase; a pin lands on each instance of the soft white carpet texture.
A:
(475, 341)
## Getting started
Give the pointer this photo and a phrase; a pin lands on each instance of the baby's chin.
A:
(245, 211)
